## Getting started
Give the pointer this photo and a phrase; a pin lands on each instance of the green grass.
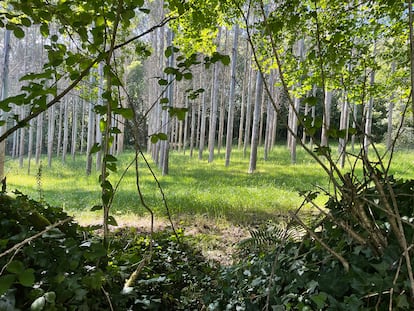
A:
(193, 188)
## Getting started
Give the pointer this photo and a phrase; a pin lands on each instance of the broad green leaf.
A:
(27, 277)
(15, 267)
(18, 33)
(6, 282)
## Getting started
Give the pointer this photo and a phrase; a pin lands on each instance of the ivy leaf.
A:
(6, 282)
(27, 278)
(15, 267)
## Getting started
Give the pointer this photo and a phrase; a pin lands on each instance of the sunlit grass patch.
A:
(193, 188)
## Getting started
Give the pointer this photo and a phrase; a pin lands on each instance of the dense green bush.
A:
(68, 268)
(306, 276)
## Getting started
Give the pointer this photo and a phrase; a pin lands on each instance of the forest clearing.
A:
(206, 155)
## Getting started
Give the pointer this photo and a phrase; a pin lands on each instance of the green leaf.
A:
(188, 76)
(127, 113)
(18, 33)
(6, 282)
(162, 82)
(164, 100)
(38, 304)
(96, 208)
(50, 297)
(112, 221)
(27, 278)
(26, 22)
(110, 158)
(15, 267)
(320, 300)
(95, 148)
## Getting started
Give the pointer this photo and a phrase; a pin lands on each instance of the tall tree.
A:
(214, 107)
(4, 95)
(256, 120)
(230, 118)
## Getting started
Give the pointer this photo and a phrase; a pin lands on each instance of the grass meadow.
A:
(193, 189)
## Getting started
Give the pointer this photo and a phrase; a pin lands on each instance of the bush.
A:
(306, 276)
(68, 268)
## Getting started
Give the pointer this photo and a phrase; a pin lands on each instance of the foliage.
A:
(68, 268)
(305, 276)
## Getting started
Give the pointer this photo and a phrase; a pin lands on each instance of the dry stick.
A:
(394, 282)
(343, 261)
(33, 237)
(340, 223)
(131, 280)
(139, 149)
(108, 298)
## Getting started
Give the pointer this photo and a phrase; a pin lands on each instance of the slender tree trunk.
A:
(82, 134)
(326, 118)
(243, 97)
(22, 138)
(50, 134)
(230, 117)
(4, 95)
(390, 115)
(214, 107)
(74, 130)
(368, 115)
(344, 125)
(65, 130)
(202, 126)
(100, 102)
(256, 120)
(59, 138)
(247, 128)
(30, 145)
(166, 126)
(91, 134)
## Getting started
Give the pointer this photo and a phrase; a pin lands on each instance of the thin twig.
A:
(33, 237)
(338, 256)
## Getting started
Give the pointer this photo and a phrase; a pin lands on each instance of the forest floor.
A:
(218, 241)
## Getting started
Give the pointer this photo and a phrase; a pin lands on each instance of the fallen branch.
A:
(33, 237)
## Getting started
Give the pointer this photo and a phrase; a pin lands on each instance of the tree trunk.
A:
(65, 130)
(30, 146)
(230, 117)
(4, 95)
(326, 118)
(59, 138)
(256, 120)
(247, 128)
(50, 134)
(243, 97)
(22, 138)
(368, 115)
(39, 137)
(202, 126)
(100, 102)
(74, 129)
(343, 126)
(214, 107)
